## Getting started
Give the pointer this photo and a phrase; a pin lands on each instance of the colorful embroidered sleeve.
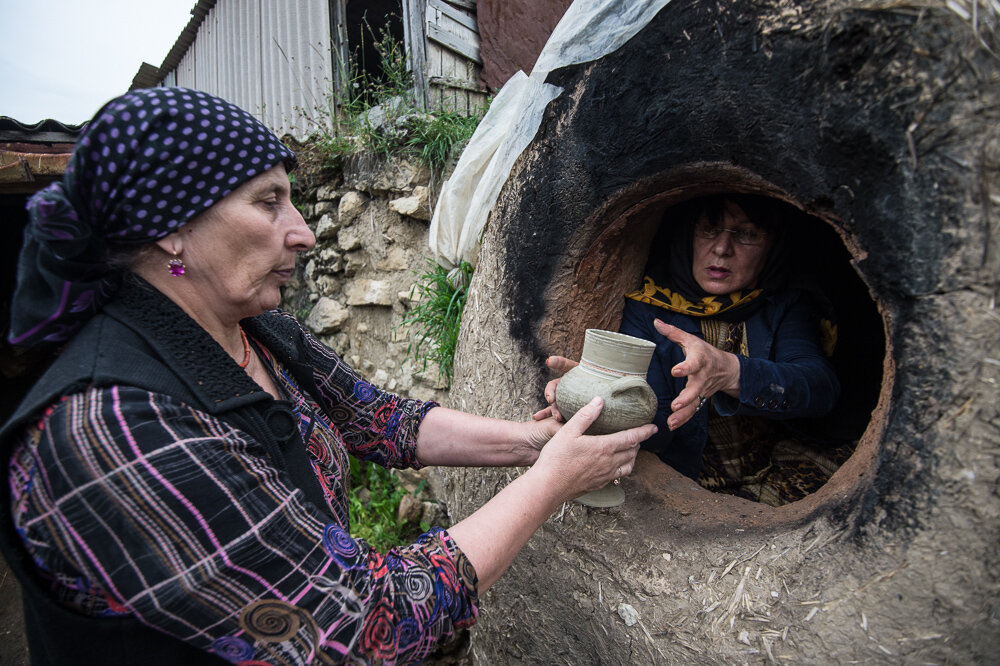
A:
(174, 516)
(375, 425)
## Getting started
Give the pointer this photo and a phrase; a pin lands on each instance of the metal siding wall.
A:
(205, 54)
(270, 82)
(296, 65)
(270, 57)
(185, 70)
(239, 54)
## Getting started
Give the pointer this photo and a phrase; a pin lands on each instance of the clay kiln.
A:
(879, 128)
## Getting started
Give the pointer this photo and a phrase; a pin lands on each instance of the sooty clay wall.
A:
(881, 126)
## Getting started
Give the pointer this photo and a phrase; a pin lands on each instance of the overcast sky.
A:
(62, 59)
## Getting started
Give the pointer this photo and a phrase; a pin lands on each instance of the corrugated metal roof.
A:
(188, 35)
(148, 76)
(31, 156)
(44, 131)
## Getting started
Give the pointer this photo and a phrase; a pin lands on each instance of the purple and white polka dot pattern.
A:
(149, 162)
(153, 159)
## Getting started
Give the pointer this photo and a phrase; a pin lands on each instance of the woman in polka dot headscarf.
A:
(148, 163)
(178, 478)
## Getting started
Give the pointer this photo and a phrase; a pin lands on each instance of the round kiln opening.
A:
(630, 236)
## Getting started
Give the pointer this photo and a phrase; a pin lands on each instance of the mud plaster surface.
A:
(896, 559)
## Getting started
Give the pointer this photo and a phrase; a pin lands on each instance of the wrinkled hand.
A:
(708, 371)
(538, 434)
(577, 463)
(562, 365)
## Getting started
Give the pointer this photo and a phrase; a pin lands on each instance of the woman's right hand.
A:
(562, 365)
(708, 371)
(577, 463)
(569, 465)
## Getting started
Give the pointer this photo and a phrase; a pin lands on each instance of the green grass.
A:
(435, 319)
(333, 149)
(436, 137)
(374, 518)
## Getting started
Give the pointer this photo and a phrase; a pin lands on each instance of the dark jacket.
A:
(785, 376)
(143, 339)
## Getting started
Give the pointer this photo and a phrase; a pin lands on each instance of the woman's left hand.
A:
(450, 437)
(538, 432)
(708, 371)
(562, 365)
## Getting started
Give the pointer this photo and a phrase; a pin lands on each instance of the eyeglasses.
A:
(740, 236)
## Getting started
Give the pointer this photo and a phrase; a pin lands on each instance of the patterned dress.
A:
(136, 504)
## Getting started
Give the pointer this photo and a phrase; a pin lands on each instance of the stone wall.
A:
(353, 289)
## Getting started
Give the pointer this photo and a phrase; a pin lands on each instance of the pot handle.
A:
(623, 384)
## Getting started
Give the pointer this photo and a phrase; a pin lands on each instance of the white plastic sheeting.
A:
(590, 29)
(468, 196)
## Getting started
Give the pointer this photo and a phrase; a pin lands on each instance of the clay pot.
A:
(613, 366)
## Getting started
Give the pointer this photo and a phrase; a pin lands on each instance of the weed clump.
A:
(374, 506)
(440, 297)
(379, 114)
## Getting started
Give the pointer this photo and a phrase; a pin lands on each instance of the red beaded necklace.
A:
(246, 349)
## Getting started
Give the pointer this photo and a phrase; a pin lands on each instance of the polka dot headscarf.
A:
(149, 161)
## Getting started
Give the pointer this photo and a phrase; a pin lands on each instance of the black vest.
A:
(143, 339)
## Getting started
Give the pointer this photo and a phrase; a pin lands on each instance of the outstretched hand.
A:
(708, 371)
(570, 465)
(562, 365)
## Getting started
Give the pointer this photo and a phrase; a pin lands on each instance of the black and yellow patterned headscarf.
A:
(669, 282)
(708, 306)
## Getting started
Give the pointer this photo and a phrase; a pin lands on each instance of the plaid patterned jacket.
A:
(179, 502)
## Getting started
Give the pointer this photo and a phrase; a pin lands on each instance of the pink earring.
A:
(176, 266)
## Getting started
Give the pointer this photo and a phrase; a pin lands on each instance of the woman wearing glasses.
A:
(735, 341)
